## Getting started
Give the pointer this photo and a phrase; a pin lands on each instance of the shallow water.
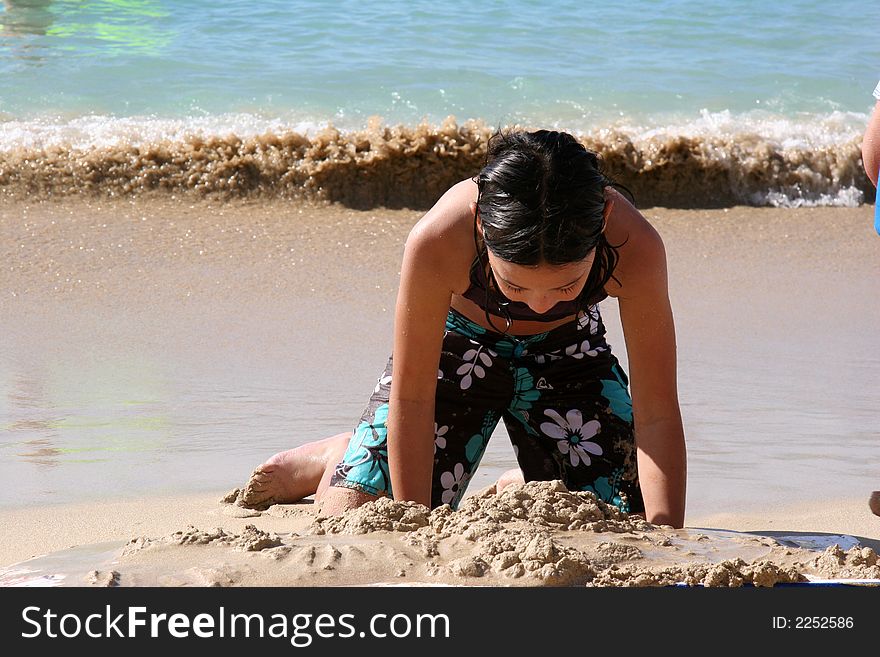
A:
(732, 103)
(559, 61)
(182, 345)
(70, 567)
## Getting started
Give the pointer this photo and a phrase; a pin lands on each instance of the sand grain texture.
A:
(537, 534)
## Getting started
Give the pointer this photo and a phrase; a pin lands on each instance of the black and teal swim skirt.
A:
(561, 394)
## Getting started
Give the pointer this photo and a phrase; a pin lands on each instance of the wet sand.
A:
(214, 318)
(32, 531)
(534, 535)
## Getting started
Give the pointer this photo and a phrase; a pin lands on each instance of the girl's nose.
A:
(541, 304)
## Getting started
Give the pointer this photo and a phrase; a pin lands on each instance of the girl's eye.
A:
(564, 290)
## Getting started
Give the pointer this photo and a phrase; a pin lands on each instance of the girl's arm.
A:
(419, 322)
(871, 143)
(649, 332)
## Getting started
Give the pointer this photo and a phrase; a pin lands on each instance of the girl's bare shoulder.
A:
(626, 224)
(446, 232)
(639, 245)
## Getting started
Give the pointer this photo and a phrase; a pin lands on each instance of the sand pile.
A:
(510, 535)
(539, 503)
(537, 534)
(250, 540)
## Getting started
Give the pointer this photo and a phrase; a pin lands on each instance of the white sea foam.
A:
(805, 131)
(98, 131)
(800, 131)
(847, 197)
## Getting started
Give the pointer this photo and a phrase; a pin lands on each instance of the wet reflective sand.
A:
(160, 347)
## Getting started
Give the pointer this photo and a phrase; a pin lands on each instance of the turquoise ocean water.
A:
(796, 76)
(565, 63)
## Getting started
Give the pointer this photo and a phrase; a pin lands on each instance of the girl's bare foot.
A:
(874, 503)
(292, 475)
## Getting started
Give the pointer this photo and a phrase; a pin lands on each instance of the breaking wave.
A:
(716, 160)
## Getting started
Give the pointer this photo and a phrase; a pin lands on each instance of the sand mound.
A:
(250, 540)
(540, 503)
(382, 515)
(730, 573)
(855, 563)
(537, 534)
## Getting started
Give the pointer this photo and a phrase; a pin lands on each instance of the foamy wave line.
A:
(98, 131)
(847, 197)
(800, 131)
(714, 160)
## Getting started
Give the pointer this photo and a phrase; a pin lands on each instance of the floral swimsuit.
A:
(561, 394)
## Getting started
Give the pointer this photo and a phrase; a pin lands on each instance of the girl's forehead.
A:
(543, 267)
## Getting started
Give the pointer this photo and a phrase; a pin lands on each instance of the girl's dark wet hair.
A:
(541, 201)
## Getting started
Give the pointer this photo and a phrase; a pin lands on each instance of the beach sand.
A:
(532, 535)
(776, 313)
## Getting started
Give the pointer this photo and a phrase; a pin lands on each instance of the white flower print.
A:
(440, 437)
(579, 350)
(453, 483)
(589, 320)
(571, 434)
(383, 381)
(472, 366)
(549, 356)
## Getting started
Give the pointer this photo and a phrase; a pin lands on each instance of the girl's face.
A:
(540, 287)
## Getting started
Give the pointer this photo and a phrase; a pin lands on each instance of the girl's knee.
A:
(336, 500)
(512, 477)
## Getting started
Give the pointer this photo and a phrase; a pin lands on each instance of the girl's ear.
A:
(606, 212)
(473, 207)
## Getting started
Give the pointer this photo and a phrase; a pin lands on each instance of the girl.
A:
(496, 319)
